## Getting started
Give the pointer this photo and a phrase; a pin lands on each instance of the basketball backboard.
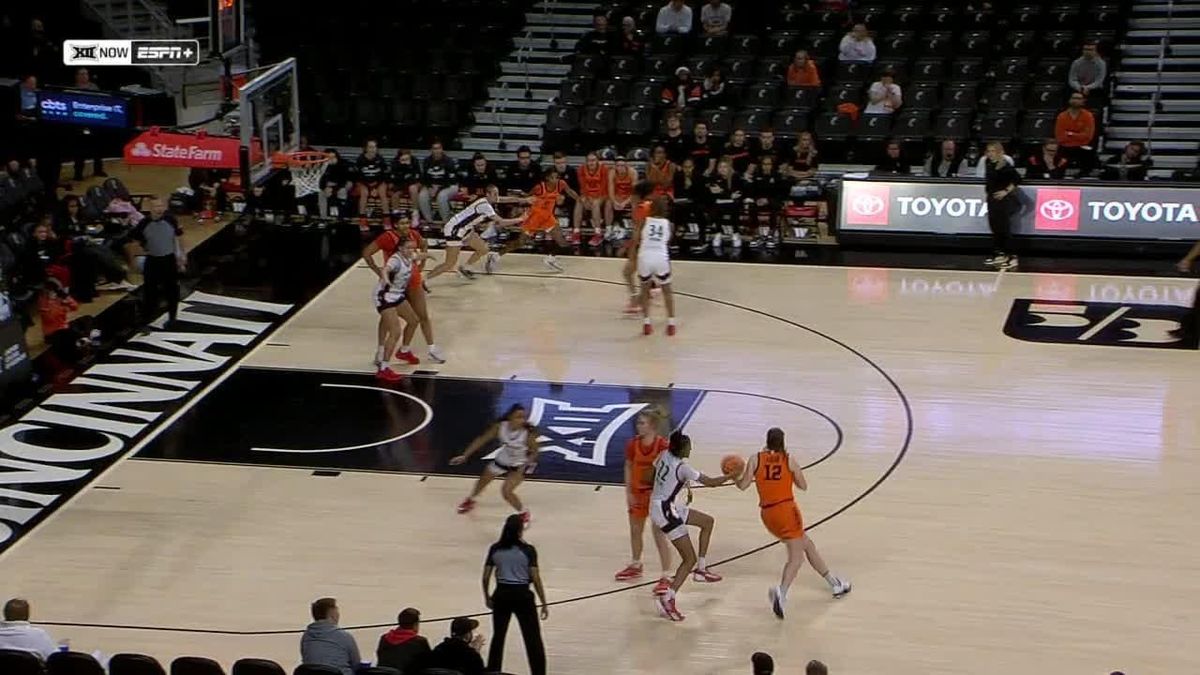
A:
(269, 116)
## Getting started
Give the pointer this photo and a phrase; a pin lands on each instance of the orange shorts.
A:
(640, 508)
(539, 220)
(783, 520)
(594, 195)
(414, 281)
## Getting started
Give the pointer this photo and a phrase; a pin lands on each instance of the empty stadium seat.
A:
(789, 123)
(635, 121)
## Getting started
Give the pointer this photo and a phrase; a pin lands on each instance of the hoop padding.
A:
(307, 168)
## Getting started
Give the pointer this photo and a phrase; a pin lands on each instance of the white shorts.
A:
(455, 234)
(671, 518)
(498, 468)
(654, 267)
(386, 298)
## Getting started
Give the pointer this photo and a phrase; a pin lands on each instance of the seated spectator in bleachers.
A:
(725, 192)
(691, 198)
(660, 171)
(621, 180)
(478, 177)
(980, 168)
(738, 152)
(704, 149)
(801, 162)
(631, 42)
(884, 97)
(405, 180)
(675, 141)
(569, 176)
(339, 173)
(764, 146)
(674, 17)
(946, 164)
(89, 249)
(716, 93)
(802, 71)
(766, 189)
(324, 203)
(403, 647)
(18, 634)
(598, 40)
(439, 174)
(371, 173)
(715, 17)
(1132, 164)
(1088, 72)
(893, 162)
(761, 663)
(592, 179)
(460, 652)
(1075, 128)
(324, 644)
(682, 91)
(45, 255)
(1047, 163)
(28, 98)
(857, 45)
(523, 174)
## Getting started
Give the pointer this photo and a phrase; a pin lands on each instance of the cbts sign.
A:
(1090, 210)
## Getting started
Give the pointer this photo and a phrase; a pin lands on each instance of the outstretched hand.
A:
(457, 459)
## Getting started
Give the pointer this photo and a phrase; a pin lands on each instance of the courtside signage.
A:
(199, 150)
(131, 52)
(957, 208)
(58, 448)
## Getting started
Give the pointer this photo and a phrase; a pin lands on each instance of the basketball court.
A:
(1009, 485)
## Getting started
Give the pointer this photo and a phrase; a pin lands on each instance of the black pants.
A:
(161, 281)
(507, 601)
(87, 146)
(1000, 221)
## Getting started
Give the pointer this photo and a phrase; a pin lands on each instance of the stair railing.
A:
(1164, 47)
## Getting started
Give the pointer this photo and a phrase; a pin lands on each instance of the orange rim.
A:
(300, 160)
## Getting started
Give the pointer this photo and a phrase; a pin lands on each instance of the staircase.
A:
(1157, 87)
(531, 75)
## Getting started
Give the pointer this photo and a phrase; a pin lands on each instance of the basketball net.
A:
(306, 169)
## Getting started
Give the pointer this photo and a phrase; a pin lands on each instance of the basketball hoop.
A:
(306, 167)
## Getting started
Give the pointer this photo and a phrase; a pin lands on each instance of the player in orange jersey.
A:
(388, 242)
(775, 472)
(640, 453)
(546, 197)
(593, 188)
(621, 180)
(660, 171)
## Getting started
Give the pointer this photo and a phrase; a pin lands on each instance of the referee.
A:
(159, 236)
(1000, 179)
(515, 565)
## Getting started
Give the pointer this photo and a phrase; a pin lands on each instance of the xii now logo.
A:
(165, 52)
(1098, 323)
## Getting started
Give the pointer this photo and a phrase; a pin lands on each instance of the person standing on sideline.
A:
(515, 565)
(159, 236)
(17, 634)
(324, 644)
(1190, 327)
(1000, 180)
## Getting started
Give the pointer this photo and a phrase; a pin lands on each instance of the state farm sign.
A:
(199, 150)
(1090, 210)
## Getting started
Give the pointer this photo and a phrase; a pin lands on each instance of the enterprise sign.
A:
(84, 109)
(1089, 210)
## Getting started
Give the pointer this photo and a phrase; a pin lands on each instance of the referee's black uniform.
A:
(515, 565)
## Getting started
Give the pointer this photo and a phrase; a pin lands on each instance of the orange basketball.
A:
(732, 464)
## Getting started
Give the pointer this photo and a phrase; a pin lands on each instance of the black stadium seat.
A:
(614, 93)
(930, 69)
(853, 71)
(646, 93)
(833, 126)
(782, 43)
(968, 69)
(761, 95)
(1012, 69)
(1004, 97)
(801, 97)
(1037, 127)
(713, 45)
(909, 16)
(624, 67)
(973, 43)
(134, 664)
(771, 69)
(1052, 69)
(752, 120)
(635, 121)
(598, 120)
(561, 118)
(1050, 96)
(822, 42)
(660, 65)
(738, 68)
(874, 127)
(789, 123)
(998, 126)
(720, 122)
(577, 91)
(899, 44)
(961, 96)
(954, 126)
(911, 125)
(922, 96)
(935, 43)
(744, 45)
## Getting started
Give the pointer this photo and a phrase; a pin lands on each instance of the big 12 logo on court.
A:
(1098, 323)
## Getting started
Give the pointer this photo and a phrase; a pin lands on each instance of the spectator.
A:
(815, 667)
(1075, 128)
(85, 252)
(631, 41)
(438, 176)
(460, 651)
(621, 181)
(40, 50)
(324, 644)
(29, 103)
(592, 179)
(766, 189)
(725, 192)
(675, 141)
(1132, 164)
(403, 648)
(802, 162)
(715, 17)
(947, 164)
(765, 147)
(598, 40)
(338, 172)
(87, 143)
(893, 162)
(737, 151)
(703, 149)
(802, 72)
(45, 255)
(159, 237)
(857, 45)
(18, 634)
(762, 663)
(682, 91)
(1048, 162)
(523, 174)
(981, 165)
(371, 169)
(54, 311)
(716, 94)
(478, 177)
(515, 566)
(405, 179)
(691, 197)
(660, 171)
(674, 18)
(1088, 72)
(884, 97)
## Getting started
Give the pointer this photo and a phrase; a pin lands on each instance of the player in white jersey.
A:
(516, 456)
(652, 237)
(391, 301)
(672, 476)
(464, 228)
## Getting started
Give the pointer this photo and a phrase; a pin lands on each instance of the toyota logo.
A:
(1057, 209)
(867, 205)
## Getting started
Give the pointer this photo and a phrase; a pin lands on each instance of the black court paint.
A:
(330, 420)
(1106, 324)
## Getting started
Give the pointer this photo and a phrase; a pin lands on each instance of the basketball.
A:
(732, 464)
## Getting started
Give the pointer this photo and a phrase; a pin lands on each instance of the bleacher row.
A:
(1005, 81)
(77, 663)
(401, 71)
